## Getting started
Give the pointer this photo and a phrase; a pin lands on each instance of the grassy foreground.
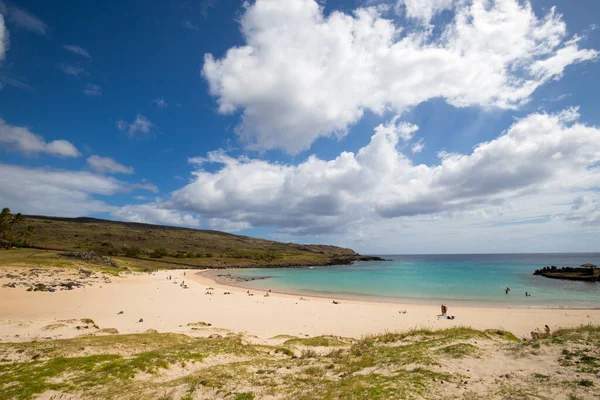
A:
(171, 245)
(453, 363)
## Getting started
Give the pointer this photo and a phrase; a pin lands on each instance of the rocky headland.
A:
(586, 273)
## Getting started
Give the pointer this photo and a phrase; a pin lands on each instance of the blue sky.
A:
(404, 126)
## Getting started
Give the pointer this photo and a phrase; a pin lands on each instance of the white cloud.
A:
(152, 213)
(92, 90)
(72, 70)
(107, 165)
(223, 224)
(303, 75)
(418, 147)
(140, 124)
(25, 19)
(160, 102)
(16, 83)
(3, 38)
(539, 155)
(145, 185)
(424, 10)
(77, 50)
(23, 140)
(52, 192)
(58, 192)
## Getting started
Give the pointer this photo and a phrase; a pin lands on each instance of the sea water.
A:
(465, 279)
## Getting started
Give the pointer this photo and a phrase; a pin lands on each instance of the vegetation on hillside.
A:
(169, 245)
(11, 232)
(454, 363)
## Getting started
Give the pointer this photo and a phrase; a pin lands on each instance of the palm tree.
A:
(4, 222)
(16, 220)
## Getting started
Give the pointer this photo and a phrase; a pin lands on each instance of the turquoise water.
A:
(455, 279)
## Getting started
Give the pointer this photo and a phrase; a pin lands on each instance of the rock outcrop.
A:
(586, 273)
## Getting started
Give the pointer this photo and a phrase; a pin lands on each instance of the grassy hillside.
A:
(189, 247)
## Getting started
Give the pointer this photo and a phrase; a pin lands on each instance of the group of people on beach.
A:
(182, 284)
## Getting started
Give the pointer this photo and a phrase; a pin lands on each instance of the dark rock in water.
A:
(586, 273)
(236, 278)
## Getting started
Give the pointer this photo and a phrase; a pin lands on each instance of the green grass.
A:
(409, 365)
(459, 350)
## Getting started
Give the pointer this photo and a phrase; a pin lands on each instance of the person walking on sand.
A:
(444, 309)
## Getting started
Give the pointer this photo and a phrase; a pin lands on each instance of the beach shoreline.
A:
(213, 276)
(137, 302)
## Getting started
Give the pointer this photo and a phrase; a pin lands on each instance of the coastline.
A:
(213, 278)
(152, 301)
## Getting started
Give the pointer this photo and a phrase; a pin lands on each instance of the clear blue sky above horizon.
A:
(400, 126)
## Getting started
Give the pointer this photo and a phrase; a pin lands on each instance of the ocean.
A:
(457, 279)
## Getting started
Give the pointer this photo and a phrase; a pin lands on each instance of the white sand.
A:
(167, 307)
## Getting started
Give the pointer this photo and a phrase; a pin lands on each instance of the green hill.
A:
(166, 244)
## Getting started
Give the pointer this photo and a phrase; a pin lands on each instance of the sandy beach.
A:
(165, 306)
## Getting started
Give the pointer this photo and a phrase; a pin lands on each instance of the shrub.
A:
(159, 252)
(133, 251)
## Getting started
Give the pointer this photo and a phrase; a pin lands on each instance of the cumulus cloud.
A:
(424, 10)
(541, 153)
(107, 165)
(140, 124)
(77, 50)
(60, 192)
(54, 192)
(418, 147)
(92, 90)
(152, 213)
(23, 140)
(303, 75)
